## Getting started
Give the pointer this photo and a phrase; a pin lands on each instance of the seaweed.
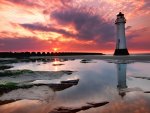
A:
(9, 85)
(13, 72)
(4, 88)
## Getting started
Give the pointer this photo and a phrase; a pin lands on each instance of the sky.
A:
(72, 25)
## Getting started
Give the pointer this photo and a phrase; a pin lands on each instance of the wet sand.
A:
(89, 57)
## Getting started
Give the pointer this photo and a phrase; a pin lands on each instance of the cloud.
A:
(35, 26)
(40, 27)
(23, 44)
(25, 2)
(134, 33)
(45, 5)
(88, 26)
(128, 27)
(146, 5)
(138, 39)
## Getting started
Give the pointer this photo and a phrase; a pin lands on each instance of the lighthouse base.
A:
(121, 52)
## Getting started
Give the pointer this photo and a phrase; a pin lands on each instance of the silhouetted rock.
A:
(86, 61)
(6, 102)
(78, 109)
(147, 78)
(70, 81)
(33, 54)
(58, 64)
(97, 104)
(38, 54)
(3, 67)
(43, 54)
(146, 91)
(28, 54)
(67, 72)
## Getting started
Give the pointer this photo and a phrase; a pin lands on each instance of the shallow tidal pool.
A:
(89, 86)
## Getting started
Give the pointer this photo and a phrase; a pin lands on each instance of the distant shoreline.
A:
(38, 54)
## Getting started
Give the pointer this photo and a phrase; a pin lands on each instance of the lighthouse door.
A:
(118, 43)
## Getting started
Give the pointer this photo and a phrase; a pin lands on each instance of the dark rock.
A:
(78, 109)
(58, 64)
(3, 67)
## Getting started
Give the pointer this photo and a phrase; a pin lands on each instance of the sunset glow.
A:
(72, 25)
(55, 49)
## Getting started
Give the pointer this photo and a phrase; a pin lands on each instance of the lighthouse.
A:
(121, 48)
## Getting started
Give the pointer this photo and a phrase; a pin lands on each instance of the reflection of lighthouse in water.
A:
(121, 74)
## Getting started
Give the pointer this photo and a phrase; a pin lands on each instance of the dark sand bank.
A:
(99, 57)
(139, 58)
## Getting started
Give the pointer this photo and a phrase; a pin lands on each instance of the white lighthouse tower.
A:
(121, 48)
